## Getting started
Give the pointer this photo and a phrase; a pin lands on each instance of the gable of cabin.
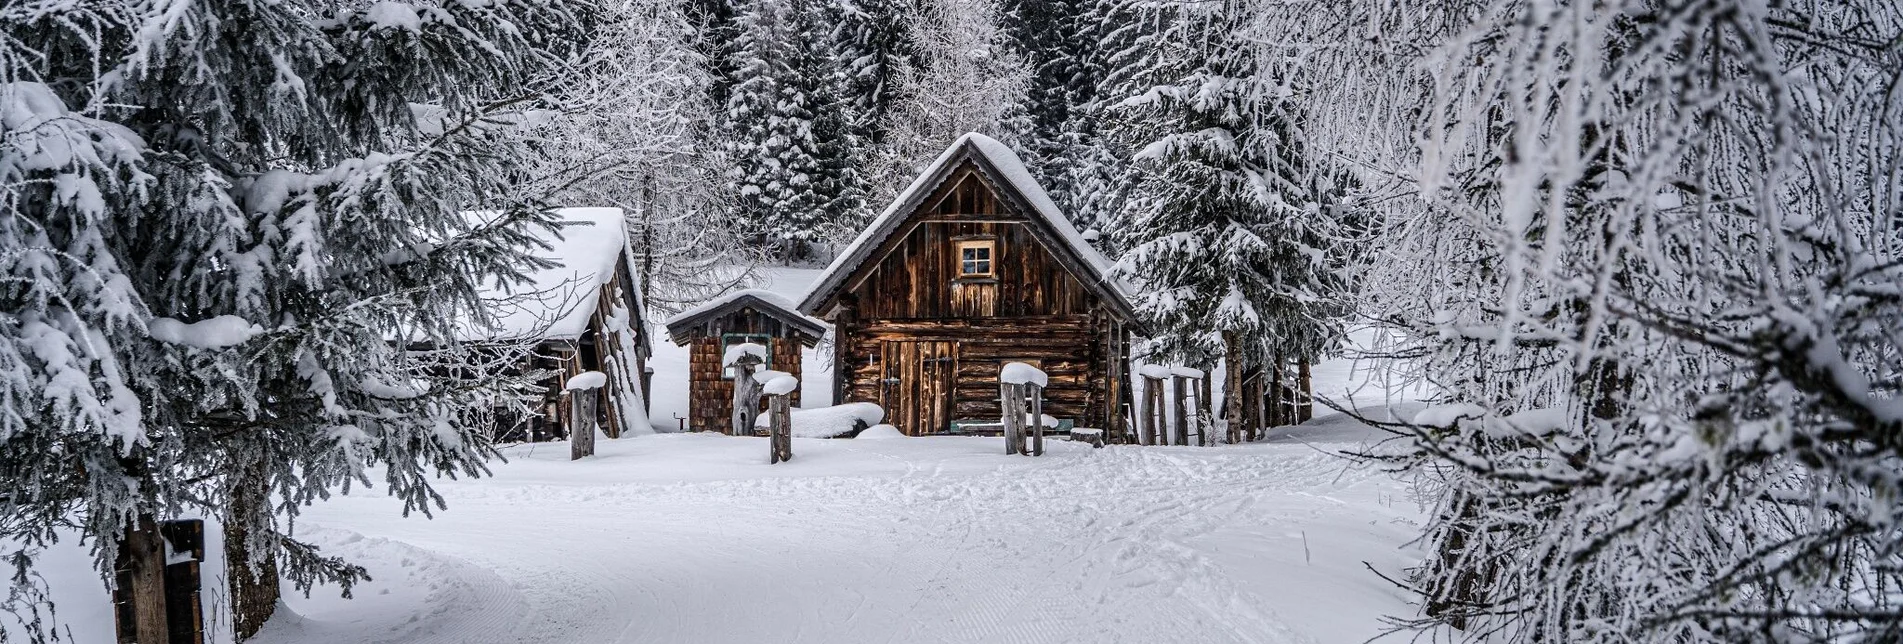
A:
(926, 268)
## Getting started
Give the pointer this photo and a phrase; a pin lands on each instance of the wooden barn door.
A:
(917, 390)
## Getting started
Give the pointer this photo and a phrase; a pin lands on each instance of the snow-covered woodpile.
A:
(714, 330)
(972, 267)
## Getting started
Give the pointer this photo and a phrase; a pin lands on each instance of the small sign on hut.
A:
(716, 329)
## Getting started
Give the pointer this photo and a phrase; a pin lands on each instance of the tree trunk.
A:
(581, 423)
(1307, 401)
(253, 582)
(1278, 399)
(1232, 387)
(142, 555)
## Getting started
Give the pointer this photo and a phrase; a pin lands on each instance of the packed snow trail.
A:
(693, 538)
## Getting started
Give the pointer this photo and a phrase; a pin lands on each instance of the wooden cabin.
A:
(584, 314)
(759, 317)
(970, 268)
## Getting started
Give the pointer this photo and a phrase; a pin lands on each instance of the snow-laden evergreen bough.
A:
(1654, 268)
(236, 258)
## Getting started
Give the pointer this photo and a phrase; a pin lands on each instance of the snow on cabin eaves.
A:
(680, 327)
(557, 302)
(997, 162)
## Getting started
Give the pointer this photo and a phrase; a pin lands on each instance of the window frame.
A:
(990, 247)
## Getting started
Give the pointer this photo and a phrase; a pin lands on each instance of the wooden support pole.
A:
(1037, 419)
(581, 422)
(1010, 397)
(1205, 416)
(1232, 388)
(780, 428)
(1179, 406)
(1146, 417)
(1278, 409)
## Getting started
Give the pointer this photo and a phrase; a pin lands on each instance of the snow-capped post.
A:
(1152, 425)
(742, 358)
(1180, 382)
(779, 392)
(141, 575)
(583, 390)
(1021, 390)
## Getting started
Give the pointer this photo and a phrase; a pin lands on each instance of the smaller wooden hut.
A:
(583, 313)
(759, 317)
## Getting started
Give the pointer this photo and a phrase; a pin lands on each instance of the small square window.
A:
(975, 258)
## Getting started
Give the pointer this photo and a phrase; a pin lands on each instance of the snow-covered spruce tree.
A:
(778, 175)
(1048, 36)
(1658, 279)
(1229, 222)
(292, 272)
(1087, 178)
(963, 78)
(874, 42)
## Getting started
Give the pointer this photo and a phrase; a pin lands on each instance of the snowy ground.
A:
(695, 538)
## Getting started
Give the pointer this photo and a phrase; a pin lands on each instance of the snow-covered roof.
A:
(557, 302)
(681, 327)
(999, 164)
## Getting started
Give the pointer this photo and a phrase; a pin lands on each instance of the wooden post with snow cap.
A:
(1021, 393)
(742, 358)
(1181, 380)
(1153, 424)
(584, 390)
(779, 392)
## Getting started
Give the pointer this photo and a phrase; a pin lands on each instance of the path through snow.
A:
(693, 538)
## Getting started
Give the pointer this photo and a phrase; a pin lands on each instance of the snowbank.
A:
(743, 349)
(1018, 373)
(830, 422)
(881, 432)
(215, 333)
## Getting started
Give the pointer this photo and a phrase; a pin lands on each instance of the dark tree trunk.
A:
(253, 583)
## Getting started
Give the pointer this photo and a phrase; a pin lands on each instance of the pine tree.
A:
(263, 272)
(1225, 213)
(778, 176)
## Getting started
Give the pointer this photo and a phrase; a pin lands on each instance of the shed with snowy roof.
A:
(972, 267)
(583, 313)
(742, 318)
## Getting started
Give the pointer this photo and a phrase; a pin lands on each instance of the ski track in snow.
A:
(1080, 546)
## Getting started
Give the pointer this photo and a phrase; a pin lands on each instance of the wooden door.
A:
(917, 390)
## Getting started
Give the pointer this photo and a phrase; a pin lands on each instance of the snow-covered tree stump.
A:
(1021, 394)
(742, 358)
(779, 392)
(584, 391)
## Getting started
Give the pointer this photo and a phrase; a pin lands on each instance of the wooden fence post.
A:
(780, 427)
(1205, 416)
(140, 595)
(1011, 397)
(1037, 419)
(584, 392)
(1179, 390)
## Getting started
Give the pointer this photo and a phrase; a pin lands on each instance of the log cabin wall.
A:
(926, 343)
(710, 396)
